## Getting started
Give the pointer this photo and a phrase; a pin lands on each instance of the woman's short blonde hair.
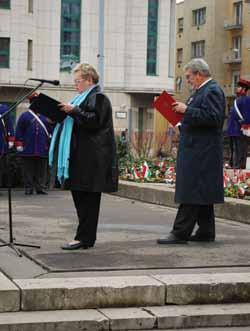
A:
(87, 72)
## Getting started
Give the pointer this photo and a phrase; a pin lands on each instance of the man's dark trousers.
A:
(87, 206)
(34, 172)
(188, 215)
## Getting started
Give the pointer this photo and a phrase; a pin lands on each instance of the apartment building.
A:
(217, 31)
(45, 39)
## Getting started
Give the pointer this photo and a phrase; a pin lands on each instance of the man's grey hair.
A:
(198, 65)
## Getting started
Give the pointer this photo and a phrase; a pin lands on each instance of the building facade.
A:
(217, 31)
(45, 39)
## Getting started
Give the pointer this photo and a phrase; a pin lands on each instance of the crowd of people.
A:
(81, 151)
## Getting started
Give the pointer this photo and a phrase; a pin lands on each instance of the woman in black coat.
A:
(199, 169)
(92, 165)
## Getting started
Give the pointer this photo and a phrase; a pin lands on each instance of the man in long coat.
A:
(199, 168)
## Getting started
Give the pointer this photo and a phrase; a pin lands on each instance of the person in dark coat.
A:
(7, 137)
(84, 150)
(199, 168)
(33, 133)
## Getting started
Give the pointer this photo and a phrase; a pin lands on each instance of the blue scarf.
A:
(65, 139)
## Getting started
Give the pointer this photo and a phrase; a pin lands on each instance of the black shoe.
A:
(71, 247)
(200, 239)
(41, 192)
(28, 191)
(171, 239)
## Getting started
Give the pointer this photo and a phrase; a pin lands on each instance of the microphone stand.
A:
(12, 242)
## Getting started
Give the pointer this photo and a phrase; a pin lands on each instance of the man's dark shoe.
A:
(71, 247)
(28, 191)
(41, 192)
(171, 239)
(200, 239)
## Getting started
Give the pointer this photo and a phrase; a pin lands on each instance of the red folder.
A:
(164, 105)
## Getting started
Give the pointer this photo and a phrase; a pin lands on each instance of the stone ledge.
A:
(206, 288)
(9, 295)
(150, 318)
(129, 318)
(194, 316)
(73, 320)
(133, 291)
(161, 194)
(79, 293)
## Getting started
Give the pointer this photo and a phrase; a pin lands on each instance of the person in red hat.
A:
(238, 125)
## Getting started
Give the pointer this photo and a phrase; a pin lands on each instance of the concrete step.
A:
(144, 318)
(133, 291)
(127, 291)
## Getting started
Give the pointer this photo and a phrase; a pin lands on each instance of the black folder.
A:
(47, 106)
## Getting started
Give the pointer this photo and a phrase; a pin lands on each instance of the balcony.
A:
(230, 26)
(232, 57)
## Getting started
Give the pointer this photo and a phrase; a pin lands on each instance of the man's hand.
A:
(179, 107)
(66, 108)
(19, 148)
(11, 144)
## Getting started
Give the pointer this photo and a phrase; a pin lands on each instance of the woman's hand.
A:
(66, 108)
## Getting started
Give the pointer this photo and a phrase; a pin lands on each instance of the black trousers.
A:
(188, 215)
(87, 207)
(35, 172)
(236, 147)
(2, 168)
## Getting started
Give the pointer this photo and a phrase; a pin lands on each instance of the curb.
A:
(132, 291)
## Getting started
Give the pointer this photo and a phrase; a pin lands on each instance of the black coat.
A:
(199, 168)
(93, 163)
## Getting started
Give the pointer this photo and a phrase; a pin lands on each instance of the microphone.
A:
(53, 82)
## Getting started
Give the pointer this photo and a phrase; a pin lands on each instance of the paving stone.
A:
(100, 292)
(206, 288)
(129, 318)
(9, 295)
(73, 320)
(194, 316)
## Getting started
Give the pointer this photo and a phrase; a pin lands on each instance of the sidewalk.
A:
(127, 281)
(126, 242)
(163, 194)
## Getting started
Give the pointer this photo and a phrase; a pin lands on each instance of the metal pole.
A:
(100, 55)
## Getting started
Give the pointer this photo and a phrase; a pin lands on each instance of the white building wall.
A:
(124, 55)
(43, 28)
(136, 48)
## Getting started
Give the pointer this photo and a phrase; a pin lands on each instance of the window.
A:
(180, 25)
(30, 6)
(238, 13)
(237, 48)
(70, 33)
(199, 16)
(5, 4)
(198, 49)
(30, 55)
(179, 55)
(4, 52)
(235, 80)
(152, 37)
